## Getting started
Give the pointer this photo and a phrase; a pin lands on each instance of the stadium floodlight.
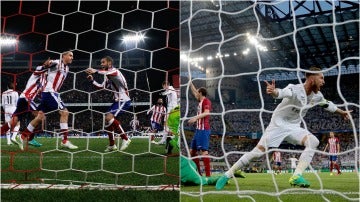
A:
(7, 41)
(183, 57)
(245, 52)
(209, 58)
(133, 38)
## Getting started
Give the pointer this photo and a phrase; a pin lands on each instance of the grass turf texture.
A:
(347, 184)
(87, 195)
(139, 165)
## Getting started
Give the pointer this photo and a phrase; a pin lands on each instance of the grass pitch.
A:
(261, 187)
(140, 164)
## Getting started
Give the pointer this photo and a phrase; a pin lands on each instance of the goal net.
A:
(231, 48)
(142, 39)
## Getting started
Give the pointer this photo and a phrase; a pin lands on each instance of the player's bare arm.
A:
(47, 63)
(345, 114)
(194, 90)
(90, 70)
(270, 88)
(200, 116)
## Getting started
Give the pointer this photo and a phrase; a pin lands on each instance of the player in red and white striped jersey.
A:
(9, 99)
(50, 98)
(334, 148)
(158, 116)
(276, 157)
(26, 103)
(116, 82)
(201, 139)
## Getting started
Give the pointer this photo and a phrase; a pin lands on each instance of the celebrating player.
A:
(50, 98)
(276, 157)
(201, 139)
(334, 148)
(171, 100)
(9, 99)
(285, 124)
(115, 81)
(26, 102)
(158, 114)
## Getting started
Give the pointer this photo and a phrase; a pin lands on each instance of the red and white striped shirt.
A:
(333, 142)
(158, 113)
(203, 123)
(35, 84)
(116, 82)
(56, 76)
(277, 156)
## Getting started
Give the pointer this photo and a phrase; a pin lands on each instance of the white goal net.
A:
(231, 48)
(142, 39)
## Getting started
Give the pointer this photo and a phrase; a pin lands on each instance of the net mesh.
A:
(231, 48)
(91, 30)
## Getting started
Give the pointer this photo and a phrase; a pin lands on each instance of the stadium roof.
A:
(318, 37)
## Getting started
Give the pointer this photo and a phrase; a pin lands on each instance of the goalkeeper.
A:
(173, 123)
(190, 176)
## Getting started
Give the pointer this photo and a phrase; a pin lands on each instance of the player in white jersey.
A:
(285, 124)
(172, 102)
(293, 161)
(277, 162)
(9, 99)
(115, 81)
(26, 104)
(134, 124)
(334, 148)
(157, 117)
(50, 98)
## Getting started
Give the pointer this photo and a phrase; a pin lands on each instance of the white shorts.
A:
(275, 135)
(9, 111)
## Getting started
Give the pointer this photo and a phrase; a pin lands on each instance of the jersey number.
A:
(9, 100)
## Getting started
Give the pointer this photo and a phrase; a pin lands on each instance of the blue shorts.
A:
(332, 158)
(201, 140)
(156, 126)
(278, 163)
(118, 108)
(23, 106)
(50, 102)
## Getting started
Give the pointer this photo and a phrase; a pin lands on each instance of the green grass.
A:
(141, 164)
(347, 184)
(87, 195)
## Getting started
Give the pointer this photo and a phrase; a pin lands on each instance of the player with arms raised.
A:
(201, 139)
(115, 81)
(50, 98)
(285, 124)
(26, 103)
(334, 148)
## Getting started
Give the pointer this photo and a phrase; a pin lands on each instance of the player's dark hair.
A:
(203, 91)
(166, 83)
(313, 68)
(10, 85)
(109, 59)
